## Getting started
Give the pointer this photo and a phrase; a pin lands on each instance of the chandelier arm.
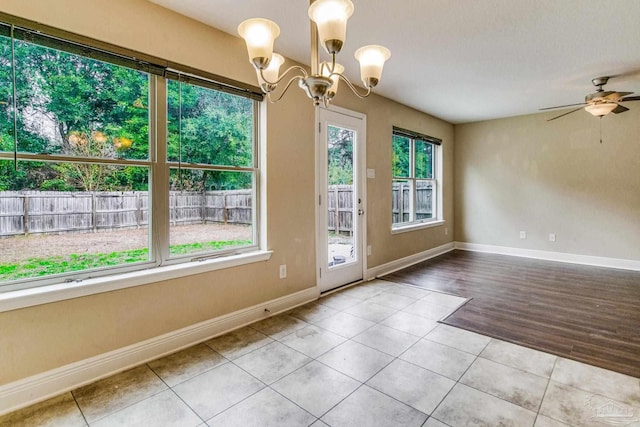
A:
(294, 78)
(294, 67)
(352, 87)
(330, 68)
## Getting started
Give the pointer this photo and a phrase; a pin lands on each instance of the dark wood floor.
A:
(589, 314)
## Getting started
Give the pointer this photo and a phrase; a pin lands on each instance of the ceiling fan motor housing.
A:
(600, 81)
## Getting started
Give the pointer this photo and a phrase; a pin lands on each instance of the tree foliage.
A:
(403, 149)
(340, 155)
(74, 106)
(209, 127)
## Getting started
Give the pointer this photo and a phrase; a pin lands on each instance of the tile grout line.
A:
(545, 392)
(79, 408)
(266, 386)
(479, 356)
(129, 405)
(244, 398)
(451, 389)
(176, 394)
(312, 359)
(395, 358)
(286, 398)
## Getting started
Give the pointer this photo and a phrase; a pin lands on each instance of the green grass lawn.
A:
(36, 267)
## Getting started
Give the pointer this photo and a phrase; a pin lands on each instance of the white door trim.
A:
(361, 176)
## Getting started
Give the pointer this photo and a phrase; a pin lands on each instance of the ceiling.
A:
(466, 60)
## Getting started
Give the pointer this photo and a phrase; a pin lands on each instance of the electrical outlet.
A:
(446, 231)
(368, 250)
(552, 237)
(523, 235)
(283, 271)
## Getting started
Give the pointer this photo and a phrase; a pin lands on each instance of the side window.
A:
(414, 183)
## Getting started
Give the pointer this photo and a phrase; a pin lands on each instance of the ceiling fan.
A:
(601, 102)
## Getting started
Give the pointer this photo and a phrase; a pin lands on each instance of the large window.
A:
(88, 188)
(415, 184)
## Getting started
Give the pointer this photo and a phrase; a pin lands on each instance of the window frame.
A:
(435, 180)
(254, 169)
(160, 265)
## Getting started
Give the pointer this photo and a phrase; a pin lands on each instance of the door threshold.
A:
(342, 287)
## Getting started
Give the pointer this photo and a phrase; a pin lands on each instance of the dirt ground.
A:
(19, 248)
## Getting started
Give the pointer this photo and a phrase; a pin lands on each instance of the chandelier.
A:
(329, 26)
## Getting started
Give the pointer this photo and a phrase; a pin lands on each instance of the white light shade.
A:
(326, 71)
(331, 18)
(259, 34)
(601, 109)
(272, 72)
(372, 59)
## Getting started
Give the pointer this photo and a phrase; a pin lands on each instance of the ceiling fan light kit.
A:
(328, 19)
(601, 102)
(600, 110)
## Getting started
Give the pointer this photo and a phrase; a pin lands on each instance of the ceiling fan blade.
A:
(562, 106)
(614, 96)
(630, 98)
(562, 115)
(619, 109)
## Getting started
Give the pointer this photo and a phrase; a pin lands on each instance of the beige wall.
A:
(40, 338)
(524, 173)
(382, 115)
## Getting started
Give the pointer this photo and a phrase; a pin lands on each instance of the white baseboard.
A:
(624, 264)
(401, 263)
(42, 386)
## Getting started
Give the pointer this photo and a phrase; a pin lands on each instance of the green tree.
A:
(212, 128)
(60, 95)
(424, 159)
(401, 156)
(64, 99)
(340, 155)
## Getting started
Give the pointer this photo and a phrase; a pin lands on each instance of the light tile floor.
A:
(369, 355)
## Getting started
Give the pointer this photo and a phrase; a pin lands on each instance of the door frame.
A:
(361, 176)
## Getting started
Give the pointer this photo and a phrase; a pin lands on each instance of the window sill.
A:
(417, 226)
(23, 298)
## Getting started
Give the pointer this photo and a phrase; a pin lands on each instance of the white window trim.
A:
(412, 226)
(14, 300)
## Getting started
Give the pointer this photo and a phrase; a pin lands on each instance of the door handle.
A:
(360, 212)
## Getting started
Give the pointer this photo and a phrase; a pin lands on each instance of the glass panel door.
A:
(340, 206)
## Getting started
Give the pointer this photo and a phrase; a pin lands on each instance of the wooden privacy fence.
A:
(340, 207)
(340, 216)
(28, 212)
(401, 198)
